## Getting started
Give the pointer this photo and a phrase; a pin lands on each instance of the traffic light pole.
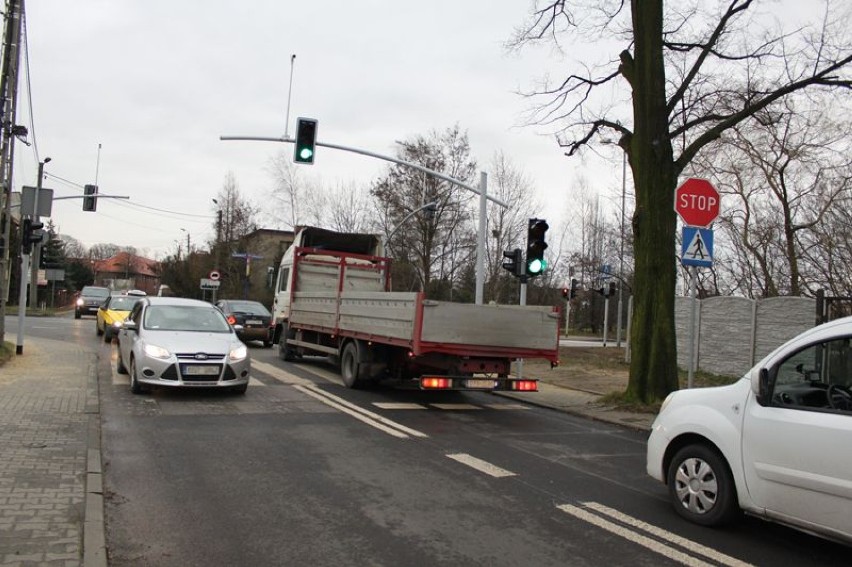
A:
(522, 302)
(22, 303)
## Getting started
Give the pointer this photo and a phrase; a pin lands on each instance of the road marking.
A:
(654, 545)
(373, 419)
(399, 406)
(280, 374)
(480, 465)
(456, 406)
(255, 382)
(507, 406)
(666, 535)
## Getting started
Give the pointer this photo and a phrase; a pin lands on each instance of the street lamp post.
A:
(36, 247)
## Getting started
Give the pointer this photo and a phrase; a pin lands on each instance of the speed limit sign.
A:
(214, 275)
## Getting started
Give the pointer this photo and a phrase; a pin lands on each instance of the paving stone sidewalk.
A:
(51, 503)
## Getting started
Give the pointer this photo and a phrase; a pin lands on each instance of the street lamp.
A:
(430, 207)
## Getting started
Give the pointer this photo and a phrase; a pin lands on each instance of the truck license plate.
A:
(201, 370)
(479, 383)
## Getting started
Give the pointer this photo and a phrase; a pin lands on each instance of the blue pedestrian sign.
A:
(697, 247)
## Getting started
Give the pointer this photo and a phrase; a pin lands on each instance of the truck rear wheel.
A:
(350, 364)
(285, 351)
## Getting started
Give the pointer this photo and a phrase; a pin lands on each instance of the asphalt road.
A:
(301, 471)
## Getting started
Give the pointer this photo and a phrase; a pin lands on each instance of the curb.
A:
(94, 530)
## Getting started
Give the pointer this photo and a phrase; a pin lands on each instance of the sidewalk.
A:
(51, 501)
(582, 403)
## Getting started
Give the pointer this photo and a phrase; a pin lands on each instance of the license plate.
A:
(479, 383)
(254, 322)
(201, 370)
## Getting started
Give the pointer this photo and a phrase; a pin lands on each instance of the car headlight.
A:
(155, 351)
(80, 301)
(238, 353)
(117, 324)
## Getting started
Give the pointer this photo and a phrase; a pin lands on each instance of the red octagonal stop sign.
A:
(697, 202)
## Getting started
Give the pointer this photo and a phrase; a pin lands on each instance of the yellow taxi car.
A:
(113, 311)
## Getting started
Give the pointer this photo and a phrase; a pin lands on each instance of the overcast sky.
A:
(156, 82)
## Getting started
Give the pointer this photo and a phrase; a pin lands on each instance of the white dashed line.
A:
(480, 465)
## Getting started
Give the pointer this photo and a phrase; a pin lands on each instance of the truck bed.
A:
(423, 325)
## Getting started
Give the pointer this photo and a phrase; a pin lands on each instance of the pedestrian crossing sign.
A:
(697, 247)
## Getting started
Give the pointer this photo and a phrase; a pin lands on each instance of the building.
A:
(128, 271)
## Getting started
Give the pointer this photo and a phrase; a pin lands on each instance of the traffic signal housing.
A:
(573, 293)
(306, 140)
(514, 262)
(33, 234)
(90, 199)
(536, 245)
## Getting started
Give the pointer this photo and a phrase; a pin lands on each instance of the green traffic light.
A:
(306, 153)
(536, 266)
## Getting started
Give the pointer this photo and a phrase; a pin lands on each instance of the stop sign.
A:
(697, 202)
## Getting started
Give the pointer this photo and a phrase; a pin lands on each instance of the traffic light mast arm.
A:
(100, 196)
(368, 153)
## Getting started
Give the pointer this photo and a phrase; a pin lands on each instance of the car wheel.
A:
(98, 330)
(267, 343)
(350, 366)
(135, 386)
(701, 487)
(119, 367)
(107, 336)
(240, 389)
(77, 315)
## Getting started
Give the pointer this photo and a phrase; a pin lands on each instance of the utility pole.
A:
(9, 96)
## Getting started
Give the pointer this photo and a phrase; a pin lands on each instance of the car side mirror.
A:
(129, 325)
(762, 393)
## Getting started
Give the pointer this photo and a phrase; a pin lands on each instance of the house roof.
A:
(125, 262)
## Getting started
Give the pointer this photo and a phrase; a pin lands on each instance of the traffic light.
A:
(90, 201)
(515, 262)
(573, 293)
(565, 292)
(536, 264)
(306, 140)
(32, 235)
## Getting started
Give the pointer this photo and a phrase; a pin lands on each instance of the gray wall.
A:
(733, 333)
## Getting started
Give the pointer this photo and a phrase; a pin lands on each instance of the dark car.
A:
(90, 299)
(252, 315)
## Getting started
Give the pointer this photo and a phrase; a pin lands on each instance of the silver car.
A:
(177, 342)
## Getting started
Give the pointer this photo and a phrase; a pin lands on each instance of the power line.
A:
(29, 84)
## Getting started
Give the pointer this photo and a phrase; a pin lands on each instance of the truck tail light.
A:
(525, 385)
(435, 383)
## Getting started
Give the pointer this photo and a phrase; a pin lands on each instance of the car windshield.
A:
(185, 318)
(123, 303)
(250, 307)
(95, 292)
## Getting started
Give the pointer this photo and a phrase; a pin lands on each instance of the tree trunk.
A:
(653, 366)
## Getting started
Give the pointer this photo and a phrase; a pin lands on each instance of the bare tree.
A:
(430, 243)
(782, 174)
(692, 72)
(236, 220)
(506, 226)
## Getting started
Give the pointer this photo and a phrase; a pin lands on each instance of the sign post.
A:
(697, 202)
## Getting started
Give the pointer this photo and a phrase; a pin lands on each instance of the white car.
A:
(776, 444)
